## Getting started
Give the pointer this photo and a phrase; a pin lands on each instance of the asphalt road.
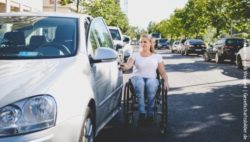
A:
(207, 102)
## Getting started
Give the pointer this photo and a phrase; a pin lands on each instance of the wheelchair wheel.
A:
(128, 106)
(164, 117)
(161, 109)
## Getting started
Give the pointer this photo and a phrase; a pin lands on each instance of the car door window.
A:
(99, 36)
(105, 74)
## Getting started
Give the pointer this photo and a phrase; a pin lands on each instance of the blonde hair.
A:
(149, 37)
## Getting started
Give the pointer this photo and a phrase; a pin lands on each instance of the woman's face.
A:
(145, 44)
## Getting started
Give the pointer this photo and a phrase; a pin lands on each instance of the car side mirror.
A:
(104, 54)
(126, 40)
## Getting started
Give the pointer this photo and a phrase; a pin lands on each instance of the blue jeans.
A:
(150, 85)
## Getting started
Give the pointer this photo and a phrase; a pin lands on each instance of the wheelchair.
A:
(160, 106)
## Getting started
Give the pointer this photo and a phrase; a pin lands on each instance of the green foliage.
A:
(109, 10)
(207, 19)
(64, 2)
(135, 32)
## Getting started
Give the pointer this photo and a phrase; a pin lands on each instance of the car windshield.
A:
(156, 35)
(115, 34)
(163, 40)
(235, 42)
(196, 42)
(37, 37)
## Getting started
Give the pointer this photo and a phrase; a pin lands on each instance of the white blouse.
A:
(146, 66)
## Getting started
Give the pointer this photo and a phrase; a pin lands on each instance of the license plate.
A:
(197, 49)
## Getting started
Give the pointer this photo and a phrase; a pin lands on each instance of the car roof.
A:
(126, 36)
(55, 14)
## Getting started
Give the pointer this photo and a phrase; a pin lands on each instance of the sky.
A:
(141, 12)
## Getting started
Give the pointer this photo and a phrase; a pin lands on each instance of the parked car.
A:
(116, 36)
(127, 49)
(225, 48)
(181, 46)
(59, 79)
(156, 37)
(243, 58)
(175, 46)
(196, 46)
(134, 42)
(163, 44)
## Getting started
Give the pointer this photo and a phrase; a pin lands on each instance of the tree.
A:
(64, 2)
(174, 27)
(152, 27)
(109, 10)
(218, 17)
(239, 13)
(78, 2)
(195, 20)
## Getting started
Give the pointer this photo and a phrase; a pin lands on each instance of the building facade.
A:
(123, 5)
(21, 5)
(53, 5)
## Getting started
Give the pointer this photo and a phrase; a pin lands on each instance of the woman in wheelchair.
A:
(144, 77)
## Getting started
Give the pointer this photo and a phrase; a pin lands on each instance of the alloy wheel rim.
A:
(216, 58)
(205, 56)
(239, 62)
(88, 131)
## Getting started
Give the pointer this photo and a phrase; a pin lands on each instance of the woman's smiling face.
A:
(145, 44)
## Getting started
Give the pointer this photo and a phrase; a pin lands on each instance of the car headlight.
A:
(28, 115)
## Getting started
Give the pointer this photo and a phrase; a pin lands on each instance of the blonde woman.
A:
(145, 63)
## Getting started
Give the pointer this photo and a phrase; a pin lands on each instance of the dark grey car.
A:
(225, 48)
(196, 46)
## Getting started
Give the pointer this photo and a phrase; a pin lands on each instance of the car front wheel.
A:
(206, 57)
(186, 52)
(239, 62)
(87, 134)
(218, 58)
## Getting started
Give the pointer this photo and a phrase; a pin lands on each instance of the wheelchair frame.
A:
(160, 106)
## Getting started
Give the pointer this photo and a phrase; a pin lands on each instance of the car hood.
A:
(163, 43)
(120, 42)
(24, 78)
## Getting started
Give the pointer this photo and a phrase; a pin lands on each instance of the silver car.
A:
(59, 80)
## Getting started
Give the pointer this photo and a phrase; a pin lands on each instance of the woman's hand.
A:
(123, 66)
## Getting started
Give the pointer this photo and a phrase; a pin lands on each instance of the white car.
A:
(243, 58)
(59, 79)
(116, 36)
(127, 49)
(175, 46)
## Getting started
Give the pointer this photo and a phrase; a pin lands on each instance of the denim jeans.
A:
(150, 85)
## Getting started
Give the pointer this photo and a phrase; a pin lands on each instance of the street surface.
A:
(205, 104)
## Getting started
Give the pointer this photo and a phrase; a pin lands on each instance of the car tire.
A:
(182, 52)
(88, 128)
(239, 62)
(218, 58)
(186, 52)
(206, 57)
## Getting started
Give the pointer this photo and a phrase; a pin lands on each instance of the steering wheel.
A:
(61, 47)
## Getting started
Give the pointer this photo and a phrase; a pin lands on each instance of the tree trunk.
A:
(77, 5)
